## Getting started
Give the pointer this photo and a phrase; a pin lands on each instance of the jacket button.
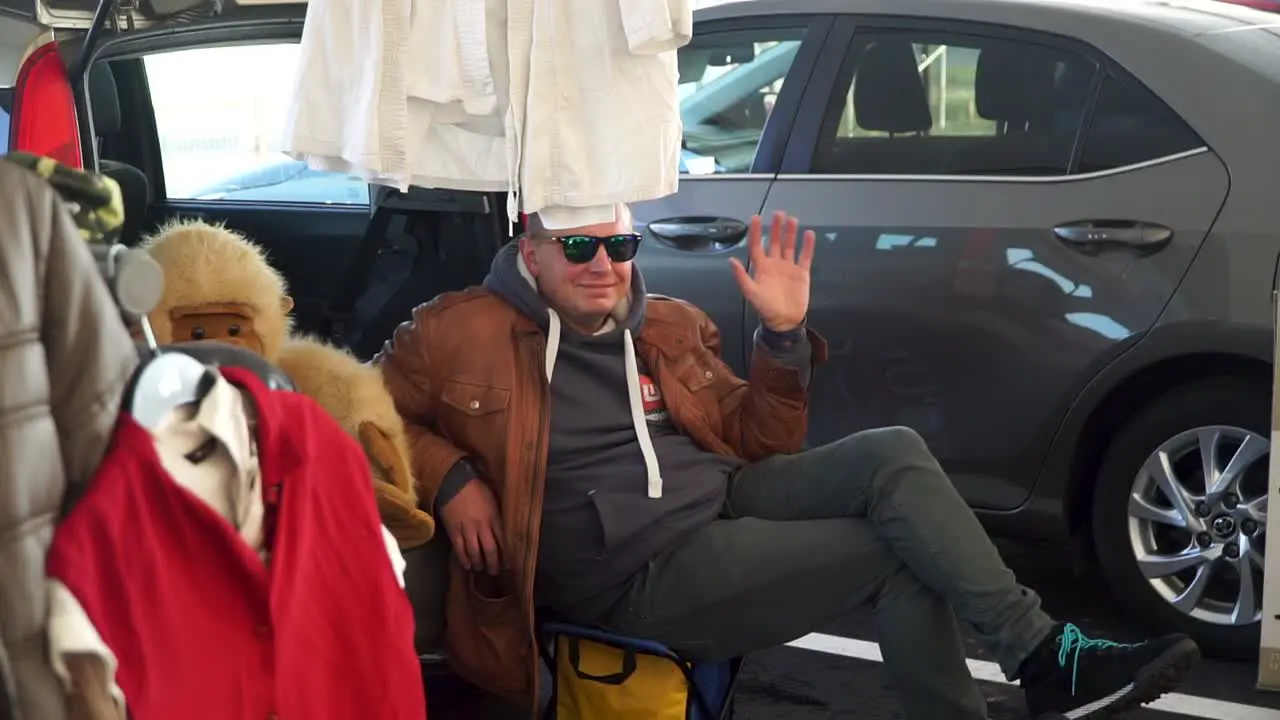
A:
(708, 374)
(475, 405)
(261, 630)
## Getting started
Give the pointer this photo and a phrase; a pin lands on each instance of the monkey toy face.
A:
(226, 322)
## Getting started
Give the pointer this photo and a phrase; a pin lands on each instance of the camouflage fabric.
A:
(95, 200)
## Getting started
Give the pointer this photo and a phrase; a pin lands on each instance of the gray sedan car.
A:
(1048, 239)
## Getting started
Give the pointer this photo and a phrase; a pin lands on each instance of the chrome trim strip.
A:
(1047, 179)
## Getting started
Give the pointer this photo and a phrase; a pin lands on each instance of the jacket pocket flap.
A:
(697, 373)
(474, 399)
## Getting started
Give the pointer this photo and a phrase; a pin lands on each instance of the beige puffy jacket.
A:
(65, 358)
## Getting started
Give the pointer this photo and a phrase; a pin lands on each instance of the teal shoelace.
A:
(1072, 642)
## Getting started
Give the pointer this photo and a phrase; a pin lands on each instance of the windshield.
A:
(726, 94)
(263, 177)
(288, 181)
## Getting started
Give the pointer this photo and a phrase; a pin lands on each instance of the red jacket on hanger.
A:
(201, 627)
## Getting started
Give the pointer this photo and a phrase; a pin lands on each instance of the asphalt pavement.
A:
(837, 673)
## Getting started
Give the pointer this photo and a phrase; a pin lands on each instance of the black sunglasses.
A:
(582, 249)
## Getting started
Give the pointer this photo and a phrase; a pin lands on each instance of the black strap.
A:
(343, 305)
(341, 309)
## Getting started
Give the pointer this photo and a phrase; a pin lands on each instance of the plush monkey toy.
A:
(220, 286)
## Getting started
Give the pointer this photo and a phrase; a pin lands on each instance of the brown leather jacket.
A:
(467, 376)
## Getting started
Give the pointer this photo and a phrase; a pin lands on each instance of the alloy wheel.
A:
(1197, 522)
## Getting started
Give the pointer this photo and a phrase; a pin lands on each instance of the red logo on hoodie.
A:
(655, 410)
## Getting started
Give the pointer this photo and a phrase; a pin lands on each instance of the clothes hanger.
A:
(166, 381)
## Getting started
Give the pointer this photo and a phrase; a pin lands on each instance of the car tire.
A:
(1234, 402)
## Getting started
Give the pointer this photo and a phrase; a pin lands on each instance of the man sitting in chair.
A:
(591, 456)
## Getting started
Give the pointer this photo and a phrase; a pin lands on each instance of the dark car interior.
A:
(1025, 95)
(135, 189)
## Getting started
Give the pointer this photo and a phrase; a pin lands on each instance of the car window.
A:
(220, 115)
(928, 103)
(728, 84)
(1131, 125)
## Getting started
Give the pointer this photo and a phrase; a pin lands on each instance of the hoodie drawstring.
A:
(637, 417)
(553, 342)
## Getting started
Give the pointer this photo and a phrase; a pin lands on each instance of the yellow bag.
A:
(637, 681)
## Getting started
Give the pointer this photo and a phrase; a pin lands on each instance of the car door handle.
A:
(1128, 233)
(699, 233)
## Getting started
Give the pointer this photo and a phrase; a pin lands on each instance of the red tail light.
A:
(44, 109)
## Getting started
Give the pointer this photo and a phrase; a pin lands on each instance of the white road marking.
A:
(1191, 705)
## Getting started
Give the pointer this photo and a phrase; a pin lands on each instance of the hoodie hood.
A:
(511, 280)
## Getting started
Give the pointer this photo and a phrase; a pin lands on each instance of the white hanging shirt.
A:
(568, 103)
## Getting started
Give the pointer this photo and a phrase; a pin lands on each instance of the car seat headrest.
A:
(888, 92)
(104, 100)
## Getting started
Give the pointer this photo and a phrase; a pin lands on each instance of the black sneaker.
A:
(1073, 677)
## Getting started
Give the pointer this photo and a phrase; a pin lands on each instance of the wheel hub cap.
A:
(1224, 526)
(1197, 522)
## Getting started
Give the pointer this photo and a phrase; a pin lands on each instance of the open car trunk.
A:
(355, 271)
